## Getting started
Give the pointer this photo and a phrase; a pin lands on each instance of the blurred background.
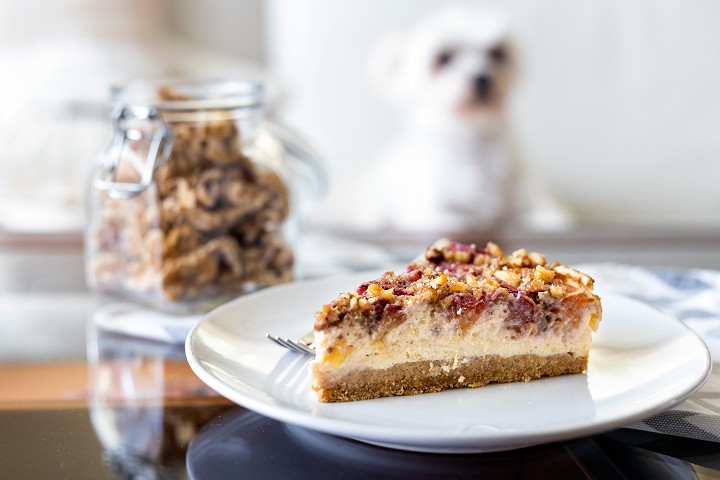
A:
(616, 105)
(616, 108)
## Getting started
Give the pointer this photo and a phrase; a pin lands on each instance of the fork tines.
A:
(292, 345)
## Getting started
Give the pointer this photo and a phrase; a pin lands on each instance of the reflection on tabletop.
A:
(243, 444)
(145, 404)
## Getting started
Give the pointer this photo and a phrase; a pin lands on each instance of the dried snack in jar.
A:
(210, 222)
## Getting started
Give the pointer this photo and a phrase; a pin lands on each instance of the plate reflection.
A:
(244, 444)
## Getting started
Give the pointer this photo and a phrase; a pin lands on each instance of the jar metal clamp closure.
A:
(159, 151)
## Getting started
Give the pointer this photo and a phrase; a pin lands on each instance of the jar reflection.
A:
(145, 402)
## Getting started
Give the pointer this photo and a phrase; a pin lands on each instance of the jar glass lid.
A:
(175, 94)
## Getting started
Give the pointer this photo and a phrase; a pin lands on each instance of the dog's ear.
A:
(385, 65)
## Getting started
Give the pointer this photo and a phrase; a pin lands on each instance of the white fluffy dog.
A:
(452, 167)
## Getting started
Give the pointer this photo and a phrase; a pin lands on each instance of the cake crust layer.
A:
(414, 378)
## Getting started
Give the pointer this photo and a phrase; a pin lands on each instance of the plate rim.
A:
(429, 439)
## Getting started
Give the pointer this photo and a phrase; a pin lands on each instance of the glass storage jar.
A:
(198, 197)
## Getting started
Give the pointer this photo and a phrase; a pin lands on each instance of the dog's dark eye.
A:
(443, 58)
(498, 54)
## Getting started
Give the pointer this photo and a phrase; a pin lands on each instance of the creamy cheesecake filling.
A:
(428, 337)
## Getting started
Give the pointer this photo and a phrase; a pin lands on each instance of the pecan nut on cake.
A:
(459, 316)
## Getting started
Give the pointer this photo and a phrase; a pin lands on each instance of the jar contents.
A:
(210, 221)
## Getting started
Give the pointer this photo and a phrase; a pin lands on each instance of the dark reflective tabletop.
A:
(218, 441)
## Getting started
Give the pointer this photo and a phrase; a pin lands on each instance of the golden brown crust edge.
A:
(433, 376)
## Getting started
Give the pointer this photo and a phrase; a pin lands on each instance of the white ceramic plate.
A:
(641, 363)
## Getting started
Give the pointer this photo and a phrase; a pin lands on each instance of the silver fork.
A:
(304, 344)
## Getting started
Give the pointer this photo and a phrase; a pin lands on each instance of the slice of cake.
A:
(459, 316)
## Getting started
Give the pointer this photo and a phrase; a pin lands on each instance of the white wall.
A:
(231, 26)
(618, 106)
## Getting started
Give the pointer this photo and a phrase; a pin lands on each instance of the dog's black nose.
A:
(482, 85)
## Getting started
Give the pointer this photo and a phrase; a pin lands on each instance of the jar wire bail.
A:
(158, 152)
